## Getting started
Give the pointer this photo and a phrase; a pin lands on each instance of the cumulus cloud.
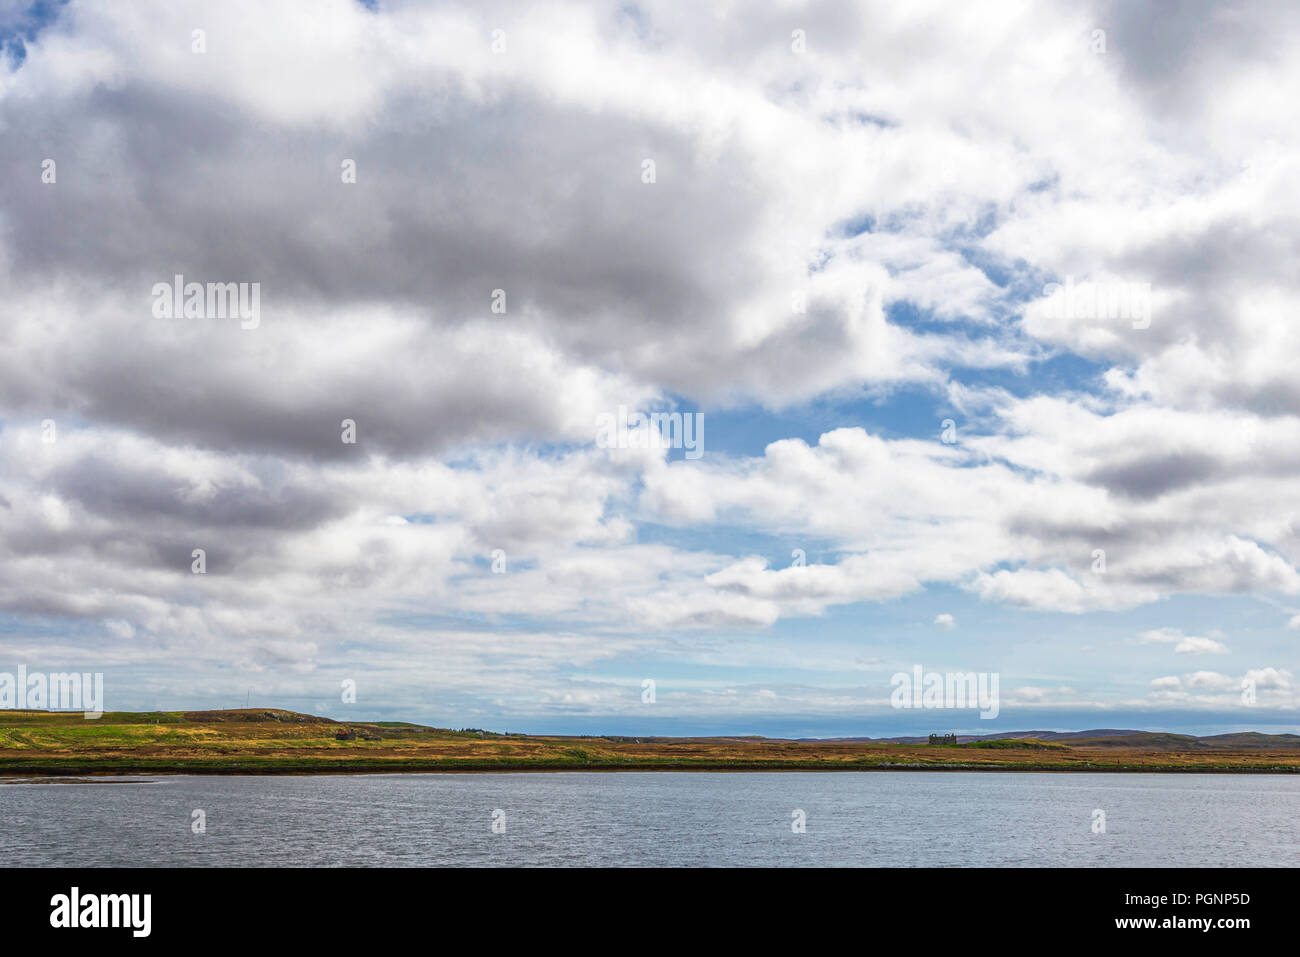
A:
(1258, 687)
(1184, 644)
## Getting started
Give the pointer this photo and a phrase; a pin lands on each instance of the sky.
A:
(985, 314)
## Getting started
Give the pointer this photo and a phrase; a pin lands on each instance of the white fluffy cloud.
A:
(1184, 644)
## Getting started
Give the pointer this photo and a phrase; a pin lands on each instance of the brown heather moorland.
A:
(272, 741)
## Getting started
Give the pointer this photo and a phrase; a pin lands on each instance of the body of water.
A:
(888, 819)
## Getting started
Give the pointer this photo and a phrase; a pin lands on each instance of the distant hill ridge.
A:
(1115, 737)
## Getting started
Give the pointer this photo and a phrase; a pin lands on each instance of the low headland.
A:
(273, 741)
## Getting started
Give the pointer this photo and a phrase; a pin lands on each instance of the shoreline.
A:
(332, 767)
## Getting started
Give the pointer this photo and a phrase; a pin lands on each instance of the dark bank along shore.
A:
(33, 776)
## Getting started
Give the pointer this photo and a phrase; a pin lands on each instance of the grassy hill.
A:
(269, 741)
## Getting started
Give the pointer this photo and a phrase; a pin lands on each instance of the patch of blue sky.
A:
(1018, 281)
(725, 539)
(856, 226)
(1059, 374)
(904, 312)
(913, 412)
(424, 518)
(1047, 373)
(22, 26)
(43, 626)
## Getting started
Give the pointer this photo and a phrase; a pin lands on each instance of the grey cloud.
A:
(1149, 476)
(1174, 54)
(131, 492)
